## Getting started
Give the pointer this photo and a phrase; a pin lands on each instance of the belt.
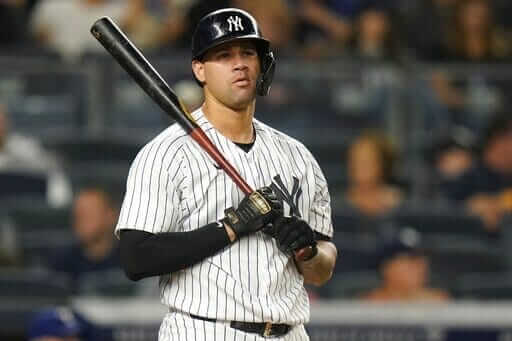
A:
(265, 329)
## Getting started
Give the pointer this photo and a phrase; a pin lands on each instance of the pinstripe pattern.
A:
(173, 185)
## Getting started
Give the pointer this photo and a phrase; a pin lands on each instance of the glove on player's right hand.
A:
(292, 234)
(254, 212)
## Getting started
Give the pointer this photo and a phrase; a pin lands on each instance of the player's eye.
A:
(223, 54)
(250, 52)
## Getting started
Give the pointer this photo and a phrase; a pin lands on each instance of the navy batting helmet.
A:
(230, 24)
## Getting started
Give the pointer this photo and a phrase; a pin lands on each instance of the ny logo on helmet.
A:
(235, 23)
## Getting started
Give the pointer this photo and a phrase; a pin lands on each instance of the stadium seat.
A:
(356, 251)
(34, 284)
(349, 285)
(15, 185)
(81, 150)
(33, 216)
(452, 256)
(40, 229)
(485, 286)
(112, 283)
(427, 218)
(24, 291)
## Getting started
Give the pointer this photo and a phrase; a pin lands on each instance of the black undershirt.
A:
(245, 146)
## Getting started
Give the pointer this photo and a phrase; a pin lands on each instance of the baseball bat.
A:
(139, 68)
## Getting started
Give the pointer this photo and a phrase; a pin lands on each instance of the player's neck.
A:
(235, 125)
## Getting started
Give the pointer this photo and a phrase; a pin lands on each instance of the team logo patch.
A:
(292, 199)
(235, 23)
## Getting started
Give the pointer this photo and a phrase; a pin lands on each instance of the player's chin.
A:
(243, 97)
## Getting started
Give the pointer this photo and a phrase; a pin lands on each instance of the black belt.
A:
(265, 329)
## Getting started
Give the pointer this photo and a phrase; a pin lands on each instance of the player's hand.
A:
(293, 234)
(255, 211)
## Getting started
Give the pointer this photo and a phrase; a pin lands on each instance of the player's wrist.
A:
(229, 230)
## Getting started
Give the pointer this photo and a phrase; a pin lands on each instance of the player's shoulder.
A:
(283, 139)
(168, 140)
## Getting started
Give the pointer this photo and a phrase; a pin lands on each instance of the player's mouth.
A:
(242, 81)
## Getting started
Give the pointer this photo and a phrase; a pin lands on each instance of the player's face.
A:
(230, 72)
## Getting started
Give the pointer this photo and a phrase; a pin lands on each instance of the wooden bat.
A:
(139, 68)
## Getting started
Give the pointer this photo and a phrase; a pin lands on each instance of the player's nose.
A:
(239, 62)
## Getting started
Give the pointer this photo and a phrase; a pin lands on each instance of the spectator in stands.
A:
(159, 23)
(9, 248)
(14, 17)
(62, 324)
(474, 35)
(96, 252)
(370, 167)
(65, 25)
(404, 270)
(449, 157)
(374, 37)
(196, 10)
(417, 16)
(486, 188)
(275, 19)
(25, 156)
(326, 25)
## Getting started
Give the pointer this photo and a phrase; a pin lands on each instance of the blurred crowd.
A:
(406, 231)
(383, 30)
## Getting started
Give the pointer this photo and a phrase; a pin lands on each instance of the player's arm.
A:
(318, 270)
(145, 254)
(293, 233)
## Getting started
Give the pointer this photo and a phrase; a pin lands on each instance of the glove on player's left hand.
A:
(293, 233)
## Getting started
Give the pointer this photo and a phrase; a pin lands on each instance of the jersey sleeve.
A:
(152, 199)
(320, 212)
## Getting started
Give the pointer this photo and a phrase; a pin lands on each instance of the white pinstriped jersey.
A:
(174, 186)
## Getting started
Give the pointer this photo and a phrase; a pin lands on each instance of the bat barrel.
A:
(137, 66)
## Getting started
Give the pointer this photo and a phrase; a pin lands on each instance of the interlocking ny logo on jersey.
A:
(235, 23)
(283, 194)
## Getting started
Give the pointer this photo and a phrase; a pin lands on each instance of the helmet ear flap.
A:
(268, 66)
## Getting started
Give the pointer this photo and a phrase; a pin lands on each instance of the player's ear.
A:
(198, 69)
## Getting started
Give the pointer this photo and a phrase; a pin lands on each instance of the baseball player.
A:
(226, 261)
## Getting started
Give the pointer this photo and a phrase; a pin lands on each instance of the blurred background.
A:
(403, 103)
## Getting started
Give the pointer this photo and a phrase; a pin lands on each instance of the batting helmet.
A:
(230, 24)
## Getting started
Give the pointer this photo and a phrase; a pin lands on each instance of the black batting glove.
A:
(254, 212)
(292, 234)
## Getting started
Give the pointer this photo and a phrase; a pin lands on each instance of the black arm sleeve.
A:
(145, 254)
